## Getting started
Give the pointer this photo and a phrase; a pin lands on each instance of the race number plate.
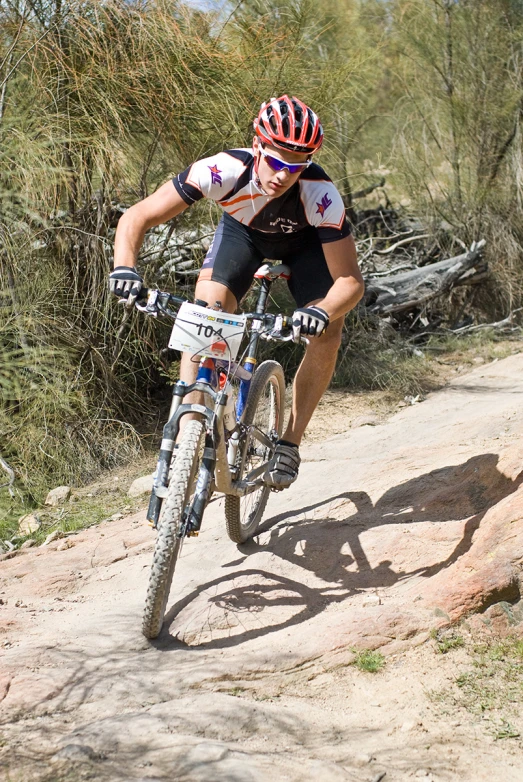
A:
(201, 331)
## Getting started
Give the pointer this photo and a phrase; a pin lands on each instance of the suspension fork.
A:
(164, 457)
(207, 375)
(202, 493)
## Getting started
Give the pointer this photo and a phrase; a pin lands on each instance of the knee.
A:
(328, 344)
(333, 334)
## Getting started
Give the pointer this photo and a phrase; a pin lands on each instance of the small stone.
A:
(58, 496)
(28, 543)
(362, 759)
(29, 523)
(371, 600)
(207, 752)
(64, 545)
(53, 536)
(77, 753)
(141, 486)
(116, 516)
(365, 420)
(407, 726)
(421, 773)
(20, 604)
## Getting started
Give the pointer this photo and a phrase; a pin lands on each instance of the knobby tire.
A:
(168, 541)
(243, 514)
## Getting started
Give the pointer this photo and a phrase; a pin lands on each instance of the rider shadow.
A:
(329, 545)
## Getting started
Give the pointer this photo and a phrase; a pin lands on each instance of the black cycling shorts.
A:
(237, 252)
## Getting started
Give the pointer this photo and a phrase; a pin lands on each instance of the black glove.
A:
(311, 321)
(126, 283)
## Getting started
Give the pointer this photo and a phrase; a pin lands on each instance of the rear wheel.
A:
(169, 539)
(263, 421)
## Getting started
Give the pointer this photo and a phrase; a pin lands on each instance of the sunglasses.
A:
(279, 165)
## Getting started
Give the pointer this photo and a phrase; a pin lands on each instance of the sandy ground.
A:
(253, 677)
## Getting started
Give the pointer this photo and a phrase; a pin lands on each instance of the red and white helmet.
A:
(290, 124)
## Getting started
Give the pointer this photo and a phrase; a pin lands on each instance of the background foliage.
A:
(102, 102)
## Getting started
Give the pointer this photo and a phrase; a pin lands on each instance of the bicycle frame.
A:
(219, 456)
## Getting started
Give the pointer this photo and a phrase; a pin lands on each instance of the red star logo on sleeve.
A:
(215, 175)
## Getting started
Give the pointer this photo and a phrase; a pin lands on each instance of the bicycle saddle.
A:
(272, 272)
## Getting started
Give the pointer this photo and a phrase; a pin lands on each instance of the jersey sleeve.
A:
(212, 177)
(324, 209)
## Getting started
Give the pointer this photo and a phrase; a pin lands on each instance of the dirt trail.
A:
(390, 531)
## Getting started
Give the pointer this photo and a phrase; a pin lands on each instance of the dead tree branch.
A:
(405, 291)
(9, 470)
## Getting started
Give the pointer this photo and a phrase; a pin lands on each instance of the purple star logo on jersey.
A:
(215, 175)
(324, 205)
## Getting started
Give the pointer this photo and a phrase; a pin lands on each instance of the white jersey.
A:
(229, 179)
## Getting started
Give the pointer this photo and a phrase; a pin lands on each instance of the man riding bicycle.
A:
(278, 205)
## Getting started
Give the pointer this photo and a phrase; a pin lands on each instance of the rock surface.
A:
(52, 537)
(141, 486)
(28, 524)
(391, 531)
(58, 496)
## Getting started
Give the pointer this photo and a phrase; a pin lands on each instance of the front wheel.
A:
(263, 422)
(169, 539)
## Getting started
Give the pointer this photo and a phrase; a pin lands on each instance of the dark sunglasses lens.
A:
(279, 165)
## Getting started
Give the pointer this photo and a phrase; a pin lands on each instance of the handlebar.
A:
(152, 301)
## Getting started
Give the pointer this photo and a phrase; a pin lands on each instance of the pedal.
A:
(193, 533)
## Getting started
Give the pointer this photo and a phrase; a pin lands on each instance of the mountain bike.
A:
(229, 438)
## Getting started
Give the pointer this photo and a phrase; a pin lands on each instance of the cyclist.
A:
(277, 204)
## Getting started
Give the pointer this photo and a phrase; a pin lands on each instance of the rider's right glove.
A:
(126, 283)
(311, 321)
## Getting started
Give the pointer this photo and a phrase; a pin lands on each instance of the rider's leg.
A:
(225, 276)
(211, 292)
(312, 379)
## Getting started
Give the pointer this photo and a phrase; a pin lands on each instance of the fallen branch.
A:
(9, 470)
(367, 190)
(411, 289)
(500, 324)
(401, 243)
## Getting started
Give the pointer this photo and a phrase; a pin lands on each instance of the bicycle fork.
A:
(202, 493)
(203, 487)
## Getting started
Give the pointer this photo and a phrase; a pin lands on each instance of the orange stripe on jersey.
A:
(241, 198)
(332, 225)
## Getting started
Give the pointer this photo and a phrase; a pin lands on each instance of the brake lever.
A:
(150, 307)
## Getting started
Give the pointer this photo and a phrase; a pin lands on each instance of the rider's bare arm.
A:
(158, 208)
(348, 285)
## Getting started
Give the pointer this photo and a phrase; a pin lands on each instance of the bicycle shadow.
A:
(328, 547)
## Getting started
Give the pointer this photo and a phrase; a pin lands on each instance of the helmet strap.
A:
(257, 180)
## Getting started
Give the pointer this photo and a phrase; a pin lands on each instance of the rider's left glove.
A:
(309, 321)
(126, 283)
